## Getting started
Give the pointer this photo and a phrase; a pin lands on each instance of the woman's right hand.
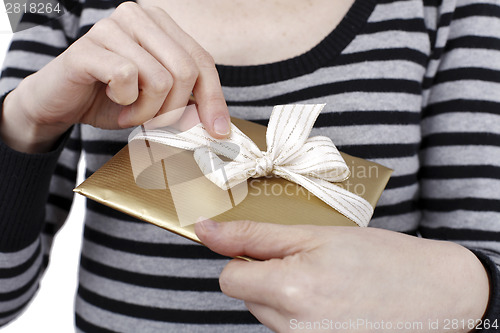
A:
(128, 68)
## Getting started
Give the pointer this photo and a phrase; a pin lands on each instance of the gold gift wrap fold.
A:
(266, 199)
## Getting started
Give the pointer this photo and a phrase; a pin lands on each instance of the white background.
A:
(52, 308)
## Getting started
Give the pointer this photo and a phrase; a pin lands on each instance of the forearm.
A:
(462, 282)
(21, 132)
(24, 187)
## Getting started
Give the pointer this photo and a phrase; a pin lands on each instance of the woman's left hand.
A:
(347, 278)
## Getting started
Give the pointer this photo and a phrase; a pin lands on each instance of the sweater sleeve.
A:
(460, 149)
(35, 189)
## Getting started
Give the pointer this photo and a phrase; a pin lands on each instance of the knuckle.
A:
(186, 71)
(102, 28)
(125, 72)
(126, 8)
(290, 295)
(225, 280)
(161, 83)
(203, 58)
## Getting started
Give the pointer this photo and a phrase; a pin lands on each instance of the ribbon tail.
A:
(346, 203)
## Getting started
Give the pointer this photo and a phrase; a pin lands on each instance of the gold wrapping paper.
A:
(272, 199)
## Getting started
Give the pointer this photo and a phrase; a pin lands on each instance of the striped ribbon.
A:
(312, 162)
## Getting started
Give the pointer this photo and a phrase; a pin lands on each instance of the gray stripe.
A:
(486, 221)
(13, 259)
(465, 122)
(481, 58)
(202, 268)
(396, 10)
(400, 69)
(398, 195)
(133, 325)
(371, 134)
(167, 299)
(388, 39)
(462, 155)
(141, 232)
(16, 282)
(10, 305)
(403, 223)
(471, 188)
(475, 26)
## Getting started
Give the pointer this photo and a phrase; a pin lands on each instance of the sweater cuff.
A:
(24, 186)
(492, 314)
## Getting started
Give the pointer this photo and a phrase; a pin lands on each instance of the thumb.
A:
(255, 239)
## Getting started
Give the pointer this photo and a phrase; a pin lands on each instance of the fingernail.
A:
(221, 126)
(207, 224)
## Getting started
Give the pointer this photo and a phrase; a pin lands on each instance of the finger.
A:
(268, 316)
(255, 239)
(154, 80)
(207, 89)
(114, 70)
(145, 32)
(254, 281)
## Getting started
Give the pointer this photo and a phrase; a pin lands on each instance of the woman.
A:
(410, 84)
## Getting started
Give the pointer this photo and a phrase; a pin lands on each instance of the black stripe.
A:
(166, 315)
(65, 172)
(406, 25)
(402, 181)
(460, 234)
(60, 201)
(99, 4)
(8, 296)
(401, 208)
(101, 209)
(391, 54)
(362, 85)
(88, 327)
(352, 118)
(103, 147)
(75, 7)
(74, 145)
(473, 42)
(460, 172)
(470, 73)
(460, 139)
(461, 105)
(37, 19)
(36, 47)
(9, 313)
(150, 280)
(6, 273)
(432, 3)
(381, 150)
(17, 73)
(483, 9)
(185, 251)
(470, 204)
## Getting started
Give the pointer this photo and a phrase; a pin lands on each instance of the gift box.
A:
(169, 187)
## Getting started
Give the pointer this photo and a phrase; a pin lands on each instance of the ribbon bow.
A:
(312, 162)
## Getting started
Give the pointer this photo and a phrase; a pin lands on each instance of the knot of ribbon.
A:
(263, 167)
(312, 162)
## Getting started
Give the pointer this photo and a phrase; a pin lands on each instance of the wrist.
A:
(465, 285)
(22, 132)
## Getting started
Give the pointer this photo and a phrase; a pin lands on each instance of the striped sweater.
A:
(413, 85)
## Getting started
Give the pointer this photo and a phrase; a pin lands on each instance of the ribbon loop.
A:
(312, 162)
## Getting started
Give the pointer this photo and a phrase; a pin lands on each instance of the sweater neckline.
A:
(330, 47)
